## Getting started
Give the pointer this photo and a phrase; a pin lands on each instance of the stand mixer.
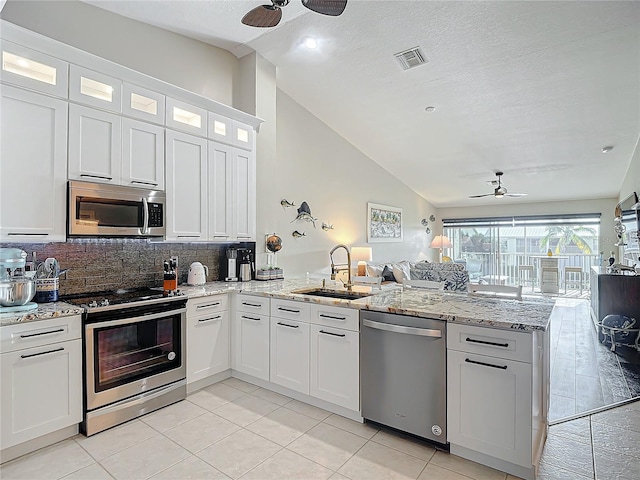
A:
(16, 290)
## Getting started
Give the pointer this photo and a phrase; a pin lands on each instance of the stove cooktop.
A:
(117, 297)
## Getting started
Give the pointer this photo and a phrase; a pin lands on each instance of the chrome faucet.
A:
(334, 268)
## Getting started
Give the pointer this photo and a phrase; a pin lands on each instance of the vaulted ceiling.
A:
(535, 89)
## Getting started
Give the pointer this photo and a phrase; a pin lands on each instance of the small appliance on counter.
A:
(16, 289)
(197, 274)
(247, 270)
(232, 256)
(232, 260)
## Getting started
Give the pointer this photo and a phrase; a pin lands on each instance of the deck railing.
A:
(506, 268)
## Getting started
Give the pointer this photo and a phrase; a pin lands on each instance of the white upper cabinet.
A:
(220, 128)
(95, 145)
(34, 70)
(186, 117)
(220, 188)
(242, 135)
(244, 194)
(33, 166)
(142, 154)
(138, 102)
(95, 89)
(186, 183)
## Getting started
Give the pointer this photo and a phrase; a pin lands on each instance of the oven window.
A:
(109, 213)
(126, 353)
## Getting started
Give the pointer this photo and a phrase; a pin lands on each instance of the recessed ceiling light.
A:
(607, 149)
(430, 108)
(310, 43)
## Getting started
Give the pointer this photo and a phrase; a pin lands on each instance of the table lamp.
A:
(362, 255)
(440, 241)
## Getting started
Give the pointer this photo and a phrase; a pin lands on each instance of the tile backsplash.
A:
(108, 264)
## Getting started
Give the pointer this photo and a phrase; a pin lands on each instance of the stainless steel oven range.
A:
(134, 355)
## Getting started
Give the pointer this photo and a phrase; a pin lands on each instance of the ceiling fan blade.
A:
(516, 194)
(478, 196)
(332, 8)
(264, 16)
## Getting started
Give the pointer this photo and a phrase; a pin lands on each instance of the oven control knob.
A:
(171, 356)
(93, 304)
(104, 303)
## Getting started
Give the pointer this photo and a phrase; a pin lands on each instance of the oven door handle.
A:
(141, 318)
(145, 216)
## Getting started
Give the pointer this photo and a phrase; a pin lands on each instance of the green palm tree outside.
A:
(567, 235)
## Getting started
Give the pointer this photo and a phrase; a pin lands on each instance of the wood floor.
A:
(585, 374)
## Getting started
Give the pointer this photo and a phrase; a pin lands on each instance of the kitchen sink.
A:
(327, 292)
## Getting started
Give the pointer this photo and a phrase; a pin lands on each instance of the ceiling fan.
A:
(499, 191)
(265, 16)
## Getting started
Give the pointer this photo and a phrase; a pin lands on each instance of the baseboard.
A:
(205, 382)
(21, 449)
(316, 402)
(502, 465)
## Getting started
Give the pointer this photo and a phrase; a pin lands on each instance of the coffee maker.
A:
(233, 257)
(232, 270)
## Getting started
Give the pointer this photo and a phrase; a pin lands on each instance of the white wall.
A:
(181, 61)
(503, 207)
(631, 181)
(316, 165)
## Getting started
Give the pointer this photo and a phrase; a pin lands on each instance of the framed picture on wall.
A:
(384, 223)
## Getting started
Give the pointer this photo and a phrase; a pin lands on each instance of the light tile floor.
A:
(236, 430)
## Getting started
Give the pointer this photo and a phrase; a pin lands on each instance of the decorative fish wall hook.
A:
(297, 234)
(286, 203)
(326, 227)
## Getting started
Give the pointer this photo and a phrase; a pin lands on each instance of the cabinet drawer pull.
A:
(208, 305)
(334, 334)
(484, 342)
(144, 183)
(16, 234)
(288, 310)
(188, 236)
(501, 367)
(210, 319)
(42, 333)
(286, 325)
(42, 353)
(254, 305)
(96, 176)
(250, 318)
(332, 317)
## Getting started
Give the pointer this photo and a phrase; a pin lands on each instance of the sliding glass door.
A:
(508, 250)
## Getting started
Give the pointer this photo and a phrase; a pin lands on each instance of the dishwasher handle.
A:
(424, 332)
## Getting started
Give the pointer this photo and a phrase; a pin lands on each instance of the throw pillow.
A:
(387, 274)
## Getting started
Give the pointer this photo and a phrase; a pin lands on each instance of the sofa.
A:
(454, 275)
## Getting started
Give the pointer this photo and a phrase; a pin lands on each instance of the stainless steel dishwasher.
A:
(403, 373)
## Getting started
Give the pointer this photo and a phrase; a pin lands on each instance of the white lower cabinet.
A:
(207, 337)
(41, 379)
(290, 354)
(490, 405)
(335, 366)
(250, 336)
(496, 390)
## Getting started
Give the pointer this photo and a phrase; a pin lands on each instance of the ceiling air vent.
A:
(411, 58)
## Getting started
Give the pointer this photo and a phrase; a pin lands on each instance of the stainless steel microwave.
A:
(98, 210)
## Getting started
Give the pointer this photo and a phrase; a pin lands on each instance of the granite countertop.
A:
(43, 312)
(452, 307)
